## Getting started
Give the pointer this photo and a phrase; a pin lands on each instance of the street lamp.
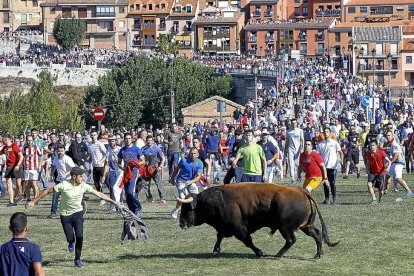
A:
(389, 58)
(172, 96)
(277, 59)
(362, 53)
(222, 42)
(260, 52)
(255, 71)
(374, 53)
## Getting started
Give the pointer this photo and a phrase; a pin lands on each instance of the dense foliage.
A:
(41, 109)
(68, 32)
(139, 92)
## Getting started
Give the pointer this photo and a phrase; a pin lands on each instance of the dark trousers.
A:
(55, 200)
(331, 178)
(145, 184)
(131, 198)
(237, 173)
(73, 228)
(98, 173)
(172, 158)
(251, 178)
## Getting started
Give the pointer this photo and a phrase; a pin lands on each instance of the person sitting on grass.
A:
(19, 256)
(70, 208)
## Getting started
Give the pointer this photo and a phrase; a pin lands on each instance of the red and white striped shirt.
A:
(32, 157)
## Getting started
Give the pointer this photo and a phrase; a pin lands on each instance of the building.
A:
(219, 30)
(209, 110)
(407, 55)
(20, 15)
(149, 21)
(105, 21)
(377, 10)
(308, 37)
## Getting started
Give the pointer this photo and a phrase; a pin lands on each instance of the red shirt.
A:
(310, 164)
(12, 155)
(376, 161)
(224, 152)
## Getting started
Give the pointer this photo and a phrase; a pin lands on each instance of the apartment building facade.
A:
(20, 15)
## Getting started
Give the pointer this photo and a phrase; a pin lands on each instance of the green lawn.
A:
(374, 240)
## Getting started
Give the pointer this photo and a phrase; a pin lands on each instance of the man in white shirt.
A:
(97, 151)
(62, 164)
(293, 148)
(329, 150)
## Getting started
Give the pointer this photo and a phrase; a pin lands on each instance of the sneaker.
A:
(102, 202)
(345, 177)
(84, 206)
(162, 202)
(71, 247)
(174, 213)
(19, 198)
(53, 216)
(358, 175)
(395, 190)
(409, 193)
(79, 264)
(374, 203)
(149, 200)
(326, 202)
(11, 204)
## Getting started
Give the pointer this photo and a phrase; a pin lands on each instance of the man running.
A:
(376, 168)
(70, 209)
(293, 148)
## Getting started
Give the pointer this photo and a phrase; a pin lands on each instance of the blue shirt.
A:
(154, 150)
(269, 150)
(189, 169)
(127, 154)
(212, 143)
(18, 256)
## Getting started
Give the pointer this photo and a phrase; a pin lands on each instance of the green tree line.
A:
(139, 92)
(41, 108)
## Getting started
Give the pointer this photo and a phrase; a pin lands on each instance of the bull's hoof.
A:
(318, 256)
(216, 252)
(259, 254)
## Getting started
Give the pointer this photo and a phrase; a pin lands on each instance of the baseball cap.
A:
(237, 132)
(112, 137)
(76, 171)
(265, 132)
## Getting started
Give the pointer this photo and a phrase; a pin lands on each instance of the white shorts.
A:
(31, 175)
(396, 170)
(184, 190)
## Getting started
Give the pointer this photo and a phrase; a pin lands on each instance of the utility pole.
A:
(172, 93)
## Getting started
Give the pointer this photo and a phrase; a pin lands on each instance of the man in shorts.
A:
(376, 168)
(14, 160)
(186, 176)
(32, 166)
(312, 163)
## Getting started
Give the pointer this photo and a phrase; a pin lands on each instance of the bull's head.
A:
(187, 217)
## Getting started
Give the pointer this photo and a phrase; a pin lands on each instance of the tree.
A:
(72, 120)
(68, 32)
(139, 91)
(167, 45)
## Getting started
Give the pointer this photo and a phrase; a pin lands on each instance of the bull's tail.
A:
(325, 236)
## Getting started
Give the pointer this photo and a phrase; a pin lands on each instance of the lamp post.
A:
(260, 52)
(389, 58)
(222, 42)
(255, 71)
(172, 96)
(374, 53)
(362, 52)
(277, 73)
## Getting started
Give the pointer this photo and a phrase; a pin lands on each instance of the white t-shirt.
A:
(97, 151)
(329, 149)
(63, 165)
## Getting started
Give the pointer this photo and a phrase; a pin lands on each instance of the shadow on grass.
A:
(189, 256)
(69, 263)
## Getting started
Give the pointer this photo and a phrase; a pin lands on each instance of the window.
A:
(297, 11)
(321, 47)
(105, 25)
(188, 25)
(349, 34)
(6, 17)
(66, 12)
(52, 10)
(82, 12)
(121, 9)
(378, 47)
(411, 8)
(178, 8)
(363, 9)
(400, 8)
(121, 24)
(305, 11)
(137, 7)
(105, 11)
(163, 6)
(176, 26)
(409, 59)
(351, 9)
(52, 24)
(394, 49)
(188, 8)
(337, 37)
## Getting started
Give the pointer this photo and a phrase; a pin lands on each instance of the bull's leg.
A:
(290, 238)
(314, 232)
(248, 242)
(217, 248)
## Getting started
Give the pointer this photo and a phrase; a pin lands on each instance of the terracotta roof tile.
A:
(84, 2)
(156, 6)
(184, 4)
(377, 2)
(407, 45)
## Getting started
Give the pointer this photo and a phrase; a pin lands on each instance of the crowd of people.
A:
(283, 134)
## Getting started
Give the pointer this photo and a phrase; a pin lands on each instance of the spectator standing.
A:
(293, 148)
(173, 140)
(97, 151)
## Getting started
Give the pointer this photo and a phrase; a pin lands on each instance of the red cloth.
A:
(12, 155)
(310, 164)
(128, 173)
(376, 161)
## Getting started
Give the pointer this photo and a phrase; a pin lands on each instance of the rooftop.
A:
(84, 2)
(377, 33)
(184, 13)
(156, 6)
(376, 2)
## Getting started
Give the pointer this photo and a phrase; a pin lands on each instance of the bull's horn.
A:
(186, 200)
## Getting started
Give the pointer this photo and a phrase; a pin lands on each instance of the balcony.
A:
(320, 51)
(149, 42)
(136, 43)
(252, 38)
(162, 27)
(268, 13)
(328, 13)
(149, 25)
(214, 48)
(303, 37)
(105, 14)
(253, 52)
(257, 13)
(187, 30)
(270, 39)
(185, 46)
(136, 27)
(287, 37)
(175, 30)
(320, 37)
(303, 51)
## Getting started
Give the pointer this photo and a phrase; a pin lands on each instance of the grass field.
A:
(374, 241)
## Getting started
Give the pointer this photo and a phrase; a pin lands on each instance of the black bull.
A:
(241, 209)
